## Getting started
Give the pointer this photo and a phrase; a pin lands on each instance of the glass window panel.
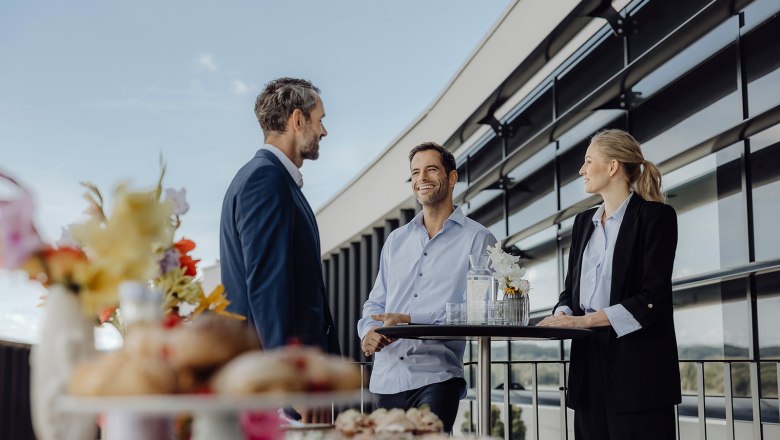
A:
(498, 229)
(572, 193)
(690, 109)
(711, 219)
(758, 12)
(532, 119)
(768, 291)
(765, 174)
(489, 213)
(533, 163)
(762, 66)
(589, 126)
(711, 321)
(693, 55)
(593, 69)
(482, 198)
(654, 20)
(537, 211)
(485, 158)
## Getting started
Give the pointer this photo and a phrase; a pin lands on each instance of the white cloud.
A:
(206, 60)
(239, 87)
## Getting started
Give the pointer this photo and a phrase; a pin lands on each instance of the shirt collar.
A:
(457, 216)
(295, 173)
(617, 215)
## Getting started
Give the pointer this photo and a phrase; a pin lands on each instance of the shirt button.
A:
(419, 274)
(402, 358)
(425, 253)
(415, 295)
(649, 306)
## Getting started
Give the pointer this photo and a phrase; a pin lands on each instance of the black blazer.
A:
(642, 366)
(270, 257)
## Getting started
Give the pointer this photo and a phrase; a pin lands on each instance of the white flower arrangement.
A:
(506, 269)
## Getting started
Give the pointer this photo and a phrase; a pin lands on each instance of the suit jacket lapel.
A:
(297, 191)
(624, 248)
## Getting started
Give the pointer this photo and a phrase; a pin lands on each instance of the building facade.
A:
(698, 84)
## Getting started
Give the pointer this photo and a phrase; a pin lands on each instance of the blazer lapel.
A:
(624, 248)
(297, 191)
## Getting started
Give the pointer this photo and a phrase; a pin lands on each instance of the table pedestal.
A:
(483, 386)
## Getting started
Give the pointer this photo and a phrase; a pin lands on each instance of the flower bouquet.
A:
(83, 271)
(511, 283)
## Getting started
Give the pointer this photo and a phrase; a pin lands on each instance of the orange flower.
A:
(184, 245)
(55, 265)
(185, 261)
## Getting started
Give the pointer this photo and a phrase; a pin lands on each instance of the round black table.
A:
(483, 334)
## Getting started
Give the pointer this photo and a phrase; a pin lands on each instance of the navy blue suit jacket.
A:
(270, 257)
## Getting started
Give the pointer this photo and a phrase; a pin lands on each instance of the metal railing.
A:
(707, 408)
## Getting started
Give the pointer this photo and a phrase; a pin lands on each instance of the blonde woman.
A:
(624, 379)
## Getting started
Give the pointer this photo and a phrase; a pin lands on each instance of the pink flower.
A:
(18, 237)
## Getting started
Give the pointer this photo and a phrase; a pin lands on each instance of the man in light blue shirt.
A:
(423, 267)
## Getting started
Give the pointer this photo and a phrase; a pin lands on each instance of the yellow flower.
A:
(123, 247)
(178, 287)
(216, 302)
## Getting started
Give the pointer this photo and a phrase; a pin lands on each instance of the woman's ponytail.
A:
(648, 184)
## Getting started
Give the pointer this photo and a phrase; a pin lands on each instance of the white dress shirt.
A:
(288, 164)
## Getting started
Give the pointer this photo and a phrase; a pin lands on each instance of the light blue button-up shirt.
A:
(419, 276)
(596, 273)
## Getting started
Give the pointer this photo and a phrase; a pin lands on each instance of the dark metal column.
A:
(354, 304)
(377, 241)
(333, 285)
(341, 300)
(365, 280)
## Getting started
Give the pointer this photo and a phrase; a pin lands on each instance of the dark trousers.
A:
(596, 419)
(442, 398)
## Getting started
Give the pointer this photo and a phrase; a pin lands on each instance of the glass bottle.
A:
(479, 289)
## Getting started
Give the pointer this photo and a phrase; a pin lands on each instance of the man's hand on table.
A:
(373, 341)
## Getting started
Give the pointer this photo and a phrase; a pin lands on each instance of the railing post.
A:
(728, 395)
(562, 381)
(755, 399)
(507, 405)
(677, 421)
(362, 388)
(535, 399)
(702, 404)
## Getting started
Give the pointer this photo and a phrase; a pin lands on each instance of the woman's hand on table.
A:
(598, 319)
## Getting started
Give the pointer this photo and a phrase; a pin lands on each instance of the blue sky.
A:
(96, 91)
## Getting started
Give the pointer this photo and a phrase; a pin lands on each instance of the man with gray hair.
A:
(269, 241)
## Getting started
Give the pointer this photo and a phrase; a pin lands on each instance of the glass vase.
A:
(66, 339)
(517, 309)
